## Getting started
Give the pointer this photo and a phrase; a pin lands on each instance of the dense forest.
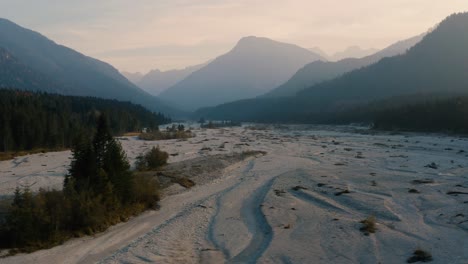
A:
(32, 120)
(99, 191)
(444, 115)
(436, 112)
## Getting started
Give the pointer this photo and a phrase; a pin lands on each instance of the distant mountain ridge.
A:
(254, 66)
(156, 81)
(353, 52)
(320, 71)
(134, 77)
(71, 72)
(435, 65)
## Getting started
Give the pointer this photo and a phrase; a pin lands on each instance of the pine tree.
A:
(116, 166)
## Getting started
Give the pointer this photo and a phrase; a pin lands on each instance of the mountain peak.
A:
(254, 66)
(253, 41)
(261, 45)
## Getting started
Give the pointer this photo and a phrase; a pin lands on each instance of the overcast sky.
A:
(140, 35)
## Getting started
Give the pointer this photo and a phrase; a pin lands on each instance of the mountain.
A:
(134, 77)
(320, 52)
(254, 66)
(71, 72)
(156, 81)
(320, 71)
(15, 74)
(353, 52)
(435, 65)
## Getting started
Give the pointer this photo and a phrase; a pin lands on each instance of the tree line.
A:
(100, 190)
(30, 120)
(443, 115)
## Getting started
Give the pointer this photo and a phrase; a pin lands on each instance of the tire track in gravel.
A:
(257, 224)
(182, 213)
(219, 201)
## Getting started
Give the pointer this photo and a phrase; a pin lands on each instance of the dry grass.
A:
(131, 134)
(368, 225)
(250, 153)
(14, 154)
(166, 135)
(184, 182)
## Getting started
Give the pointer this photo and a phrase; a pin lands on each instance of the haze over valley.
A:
(233, 132)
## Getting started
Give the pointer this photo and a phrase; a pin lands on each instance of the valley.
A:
(302, 202)
(233, 132)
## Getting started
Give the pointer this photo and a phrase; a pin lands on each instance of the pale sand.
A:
(250, 213)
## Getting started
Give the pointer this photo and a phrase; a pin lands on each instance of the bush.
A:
(368, 225)
(152, 160)
(146, 190)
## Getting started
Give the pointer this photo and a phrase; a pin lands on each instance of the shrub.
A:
(152, 160)
(146, 190)
(368, 225)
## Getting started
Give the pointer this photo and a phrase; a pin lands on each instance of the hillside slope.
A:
(253, 67)
(72, 72)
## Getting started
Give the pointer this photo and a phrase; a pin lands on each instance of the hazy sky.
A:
(140, 35)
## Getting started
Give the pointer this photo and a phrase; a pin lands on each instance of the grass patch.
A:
(131, 134)
(420, 255)
(213, 125)
(184, 182)
(369, 225)
(166, 135)
(250, 153)
(13, 154)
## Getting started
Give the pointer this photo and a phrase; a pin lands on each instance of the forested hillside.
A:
(445, 115)
(436, 65)
(37, 63)
(32, 120)
(319, 71)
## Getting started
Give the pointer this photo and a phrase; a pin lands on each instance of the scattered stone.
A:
(423, 181)
(342, 192)
(298, 187)
(279, 192)
(420, 256)
(432, 165)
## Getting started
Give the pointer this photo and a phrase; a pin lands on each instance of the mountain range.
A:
(156, 81)
(55, 68)
(437, 64)
(254, 66)
(320, 71)
(352, 52)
